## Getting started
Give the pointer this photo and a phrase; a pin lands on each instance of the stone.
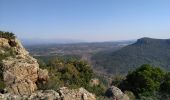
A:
(76, 94)
(63, 94)
(20, 72)
(116, 94)
(43, 75)
(94, 82)
(4, 43)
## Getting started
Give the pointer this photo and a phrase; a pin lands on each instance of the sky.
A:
(87, 20)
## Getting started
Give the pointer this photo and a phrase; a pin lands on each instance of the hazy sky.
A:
(91, 20)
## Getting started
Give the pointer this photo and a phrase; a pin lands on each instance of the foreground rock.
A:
(76, 94)
(115, 93)
(62, 94)
(20, 70)
(38, 95)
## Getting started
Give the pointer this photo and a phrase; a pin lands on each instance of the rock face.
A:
(21, 71)
(62, 94)
(76, 94)
(116, 94)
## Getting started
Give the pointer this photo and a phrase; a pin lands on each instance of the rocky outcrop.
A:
(75, 94)
(38, 95)
(116, 94)
(62, 94)
(20, 71)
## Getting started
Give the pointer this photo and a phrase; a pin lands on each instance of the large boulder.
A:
(20, 70)
(115, 93)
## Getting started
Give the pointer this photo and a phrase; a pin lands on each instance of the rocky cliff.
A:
(20, 72)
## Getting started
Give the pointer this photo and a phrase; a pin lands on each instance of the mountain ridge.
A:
(143, 51)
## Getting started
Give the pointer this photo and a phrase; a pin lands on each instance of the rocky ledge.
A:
(62, 94)
(20, 72)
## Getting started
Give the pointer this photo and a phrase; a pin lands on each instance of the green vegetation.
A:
(6, 52)
(144, 80)
(70, 73)
(147, 82)
(117, 79)
(7, 35)
(144, 83)
(2, 84)
(165, 86)
(155, 52)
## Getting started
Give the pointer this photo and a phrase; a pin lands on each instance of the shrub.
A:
(165, 86)
(2, 84)
(7, 35)
(117, 80)
(70, 73)
(98, 90)
(143, 81)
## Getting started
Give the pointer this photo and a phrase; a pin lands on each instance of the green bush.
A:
(165, 86)
(117, 79)
(70, 73)
(143, 81)
(7, 35)
(98, 90)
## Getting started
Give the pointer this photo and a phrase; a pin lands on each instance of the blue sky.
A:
(89, 20)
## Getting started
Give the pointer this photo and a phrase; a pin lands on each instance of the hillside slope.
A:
(145, 50)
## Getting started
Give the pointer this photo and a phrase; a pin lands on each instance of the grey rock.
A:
(76, 94)
(116, 94)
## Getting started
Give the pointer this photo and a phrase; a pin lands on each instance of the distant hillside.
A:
(39, 41)
(145, 50)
